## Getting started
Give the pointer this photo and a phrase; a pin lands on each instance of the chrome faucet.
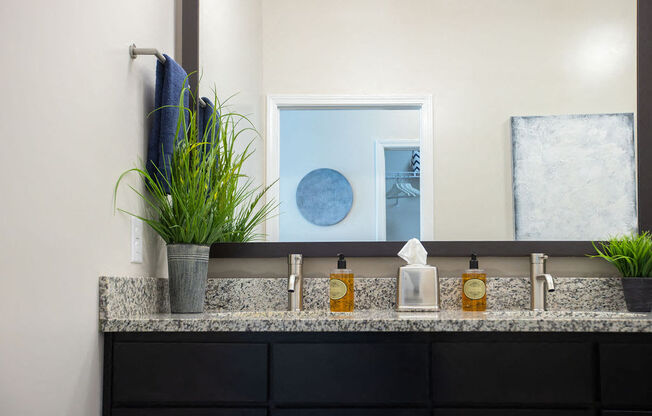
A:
(539, 281)
(295, 282)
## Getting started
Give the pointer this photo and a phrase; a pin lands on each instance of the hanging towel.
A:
(171, 79)
(204, 122)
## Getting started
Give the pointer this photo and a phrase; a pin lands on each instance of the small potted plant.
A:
(203, 200)
(632, 256)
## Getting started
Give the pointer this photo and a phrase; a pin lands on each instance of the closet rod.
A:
(134, 52)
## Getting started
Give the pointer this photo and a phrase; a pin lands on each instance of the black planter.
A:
(638, 293)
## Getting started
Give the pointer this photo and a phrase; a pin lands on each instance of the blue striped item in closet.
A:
(416, 161)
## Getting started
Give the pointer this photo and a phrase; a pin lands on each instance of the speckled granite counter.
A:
(385, 321)
(235, 304)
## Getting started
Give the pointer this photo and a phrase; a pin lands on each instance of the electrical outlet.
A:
(136, 240)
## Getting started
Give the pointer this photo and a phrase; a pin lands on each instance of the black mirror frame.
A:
(190, 60)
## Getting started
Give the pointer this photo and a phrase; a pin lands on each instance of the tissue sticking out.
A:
(413, 252)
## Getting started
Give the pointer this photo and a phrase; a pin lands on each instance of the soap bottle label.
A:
(474, 289)
(337, 289)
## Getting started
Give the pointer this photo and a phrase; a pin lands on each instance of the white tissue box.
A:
(418, 288)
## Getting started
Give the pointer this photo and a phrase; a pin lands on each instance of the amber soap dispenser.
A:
(474, 287)
(341, 287)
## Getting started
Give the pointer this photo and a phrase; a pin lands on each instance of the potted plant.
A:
(205, 199)
(632, 256)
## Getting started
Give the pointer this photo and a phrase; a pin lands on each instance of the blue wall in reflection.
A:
(340, 139)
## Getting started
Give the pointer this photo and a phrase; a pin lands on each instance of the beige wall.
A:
(483, 61)
(71, 119)
(230, 51)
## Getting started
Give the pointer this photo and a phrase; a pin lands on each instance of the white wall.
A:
(343, 140)
(230, 51)
(483, 61)
(71, 119)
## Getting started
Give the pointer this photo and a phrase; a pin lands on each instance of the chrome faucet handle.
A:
(538, 258)
(550, 282)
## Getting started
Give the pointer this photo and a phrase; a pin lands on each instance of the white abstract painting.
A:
(574, 176)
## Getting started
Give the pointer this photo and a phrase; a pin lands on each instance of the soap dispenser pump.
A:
(341, 287)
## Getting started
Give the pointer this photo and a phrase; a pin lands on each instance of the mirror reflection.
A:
(349, 174)
(442, 120)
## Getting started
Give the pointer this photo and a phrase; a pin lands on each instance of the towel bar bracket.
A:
(134, 52)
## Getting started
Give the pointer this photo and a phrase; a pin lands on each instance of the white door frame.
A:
(381, 188)
(276, 102)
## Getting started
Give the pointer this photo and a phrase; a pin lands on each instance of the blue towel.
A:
(204, 120)
(205, 124)
(171, 79)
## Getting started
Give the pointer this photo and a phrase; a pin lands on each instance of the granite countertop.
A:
(258, 305)
(384, 321)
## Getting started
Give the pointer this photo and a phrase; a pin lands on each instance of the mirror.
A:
(470, 120)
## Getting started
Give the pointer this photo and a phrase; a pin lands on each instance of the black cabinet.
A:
(350, 373)
(377, 374)
(189, 412)
(189, 372)
(350, 412)
(626, 375)
(511, 412)
(511, 372)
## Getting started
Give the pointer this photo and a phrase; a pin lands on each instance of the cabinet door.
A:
(511, 412)
(350, 412)
(177, 373)
(189, 412)
(350, 373)
(626, 375)
(525, 373)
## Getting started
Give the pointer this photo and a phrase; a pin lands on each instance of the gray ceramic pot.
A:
(638, 293)
(187, 270)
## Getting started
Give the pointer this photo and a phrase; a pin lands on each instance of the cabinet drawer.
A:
(626, 374)
(189, 372)
(625, 413)
(506, 373)
(189, 412)
(511, 412)
(350, 373)
(350, 412)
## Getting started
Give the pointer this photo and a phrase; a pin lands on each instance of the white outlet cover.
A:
(136, 240)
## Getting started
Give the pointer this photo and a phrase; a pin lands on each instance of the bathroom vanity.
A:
(370, 362)
(377, 373)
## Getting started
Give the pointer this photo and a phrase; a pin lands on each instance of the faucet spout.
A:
(550, 282)
(292, 281)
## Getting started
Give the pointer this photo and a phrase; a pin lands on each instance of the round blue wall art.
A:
(324, 197)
